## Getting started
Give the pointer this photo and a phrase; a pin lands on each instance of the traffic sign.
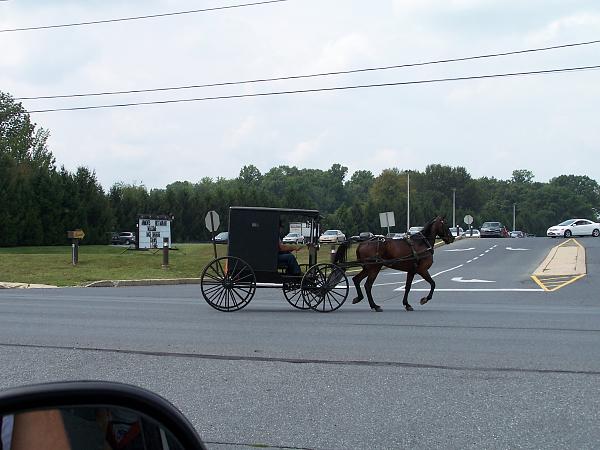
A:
(212, 221)
(75, 234)
(468, 219)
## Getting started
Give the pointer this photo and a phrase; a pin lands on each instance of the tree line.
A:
(40, 201)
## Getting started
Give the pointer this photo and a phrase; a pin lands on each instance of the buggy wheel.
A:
(324, 287)
(293, 294)
(228, 283)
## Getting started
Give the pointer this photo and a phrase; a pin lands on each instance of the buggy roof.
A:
(299, 212)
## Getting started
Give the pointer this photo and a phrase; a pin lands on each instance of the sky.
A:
(544, 123)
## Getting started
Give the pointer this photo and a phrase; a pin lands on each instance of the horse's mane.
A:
(427, 228)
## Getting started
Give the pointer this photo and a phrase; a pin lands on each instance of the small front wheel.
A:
(596, 233)
(228, 283)
(568, 233)
(324, 287)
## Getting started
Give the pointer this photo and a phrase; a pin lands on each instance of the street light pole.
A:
(454, 207)
(514, 215)
(408, 201)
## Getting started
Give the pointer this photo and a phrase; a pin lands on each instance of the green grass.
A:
(52, 265)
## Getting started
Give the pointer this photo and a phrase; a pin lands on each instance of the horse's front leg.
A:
(409, 280)
(427, 277)
(357, 279)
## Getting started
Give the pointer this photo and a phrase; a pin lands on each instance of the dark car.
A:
(222, 238)
(123, 238)
(492, 229)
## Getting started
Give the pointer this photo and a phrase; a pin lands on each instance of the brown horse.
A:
(413, 255)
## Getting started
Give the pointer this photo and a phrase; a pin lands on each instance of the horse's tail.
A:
(341, 252)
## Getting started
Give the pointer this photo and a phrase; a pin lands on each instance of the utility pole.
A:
(454, 208)
(514, 215)
(408, 201)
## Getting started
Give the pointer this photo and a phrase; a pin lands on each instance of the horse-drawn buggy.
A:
(228, 283)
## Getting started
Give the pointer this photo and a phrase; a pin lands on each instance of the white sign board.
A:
(386, 219)
(153, 231)
(468, 219)
(212, 221)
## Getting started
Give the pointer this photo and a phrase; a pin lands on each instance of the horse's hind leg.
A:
(374, 270)
(357, 279)
(427, 277)
(409, 279)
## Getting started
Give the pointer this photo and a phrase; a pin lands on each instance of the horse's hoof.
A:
(424, 300)
(409, 308)
(377, 309)
(356, 300)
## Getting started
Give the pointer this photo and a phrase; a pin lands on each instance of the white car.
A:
(456, 233)
(574, 227)
(332, 237)
(293, 238)
(414, 230)
(474, 233)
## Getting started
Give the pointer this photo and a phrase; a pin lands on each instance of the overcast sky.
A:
(546, 123)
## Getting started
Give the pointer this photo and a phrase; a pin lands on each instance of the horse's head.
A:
(441, 229)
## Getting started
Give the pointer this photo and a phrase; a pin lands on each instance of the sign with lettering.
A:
(152, 231)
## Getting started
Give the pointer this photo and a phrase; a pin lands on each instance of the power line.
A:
(304, 91)
(323, 74)
(149, 16)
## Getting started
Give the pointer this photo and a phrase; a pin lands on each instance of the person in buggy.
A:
(285, 257)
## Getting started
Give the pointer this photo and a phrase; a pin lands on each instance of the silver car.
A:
(332, 237)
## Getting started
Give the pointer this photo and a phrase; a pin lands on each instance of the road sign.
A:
(75, 234)
(386, 219)
(212, 221)
(468, 219)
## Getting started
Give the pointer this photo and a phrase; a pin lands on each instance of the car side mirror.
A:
(92, 415)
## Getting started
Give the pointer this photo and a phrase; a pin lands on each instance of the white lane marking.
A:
(517, 249)
(474, 280)
(479, 290)
(469, 261)
(476, 258)
(460, 249)
(487, 251)
(483, 254)
(432, 276)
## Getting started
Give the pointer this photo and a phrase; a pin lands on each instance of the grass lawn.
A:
(52, 265)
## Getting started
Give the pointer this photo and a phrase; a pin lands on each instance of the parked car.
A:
(332, 237)
(456, 232)
(414, 230)
(395, 235)
(517, 234)
(222, 237)
(493, 229)
(364, 236)
(472, 233)
(123, 238)
(293, 238)
(574, 227)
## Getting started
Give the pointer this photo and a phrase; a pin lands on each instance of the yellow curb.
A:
(565, 264)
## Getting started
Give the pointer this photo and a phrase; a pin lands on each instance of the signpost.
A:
(386, 219)
(75, 236)
(212, 224)
(469, 220)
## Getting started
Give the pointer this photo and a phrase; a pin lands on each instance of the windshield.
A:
(566, 223)
(330, 232)
(293, 235)
(491, 225)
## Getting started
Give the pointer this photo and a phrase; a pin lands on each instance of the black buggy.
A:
(228, 283)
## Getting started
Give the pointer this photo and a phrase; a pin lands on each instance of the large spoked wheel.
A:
(568, 233)
(293, 295)
(324, 287)
(228, 283)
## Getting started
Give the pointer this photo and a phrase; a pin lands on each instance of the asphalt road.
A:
(492, 361)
